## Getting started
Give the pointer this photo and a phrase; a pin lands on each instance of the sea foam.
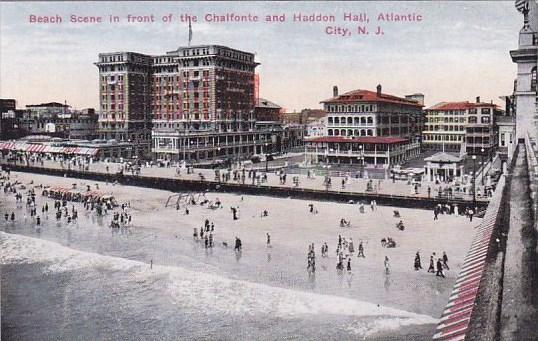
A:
(211, 293)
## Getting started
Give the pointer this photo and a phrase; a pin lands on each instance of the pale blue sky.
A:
(459, 51)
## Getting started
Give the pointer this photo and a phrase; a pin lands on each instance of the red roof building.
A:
(371, 127)
(368, 113)
(461, 127)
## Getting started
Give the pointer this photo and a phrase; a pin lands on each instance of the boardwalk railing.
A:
(186, 185)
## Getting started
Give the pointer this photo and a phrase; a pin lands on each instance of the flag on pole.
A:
(190, 32)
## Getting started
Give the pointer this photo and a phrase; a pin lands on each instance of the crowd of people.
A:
(121, 217)
(449, 209)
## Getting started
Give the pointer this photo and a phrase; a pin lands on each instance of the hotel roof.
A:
(370, 96)
(459, 105)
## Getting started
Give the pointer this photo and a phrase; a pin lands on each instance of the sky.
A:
(458, 51)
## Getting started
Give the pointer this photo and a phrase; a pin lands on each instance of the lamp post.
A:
(266, 157)
(474, 179)
(185, 151)
(483, 165)
(361, 160)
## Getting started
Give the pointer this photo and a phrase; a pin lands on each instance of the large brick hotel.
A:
(193, 103)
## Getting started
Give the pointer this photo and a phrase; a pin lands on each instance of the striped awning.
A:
(7, 145)
(35, 148)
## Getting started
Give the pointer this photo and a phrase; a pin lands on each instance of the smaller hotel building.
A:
(368, 128)
(461, 127)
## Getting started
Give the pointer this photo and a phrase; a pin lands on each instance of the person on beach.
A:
(340, 264)
(440, 268)
(268, 239)
(238, 244)
(445, 261)
(387, 265)
(351, 247)
(361, 250)
(418, 265)
(432, 267)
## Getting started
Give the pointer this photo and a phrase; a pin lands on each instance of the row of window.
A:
(432, 127)
(350, 108)
(350, 132)
(351, 120)
(437, 137)
(483, 119)
(446, 120)
(446, 112)
(478, 140)
(113, 58)
(112, 107)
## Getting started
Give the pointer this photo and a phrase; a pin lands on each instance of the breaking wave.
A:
(214, 293)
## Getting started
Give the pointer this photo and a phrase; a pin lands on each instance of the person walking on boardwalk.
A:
(471, 213)
(268, 239)
(387, 265)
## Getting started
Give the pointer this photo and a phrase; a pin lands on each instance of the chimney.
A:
(477, 99)
(335, 91)
(379, 90)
